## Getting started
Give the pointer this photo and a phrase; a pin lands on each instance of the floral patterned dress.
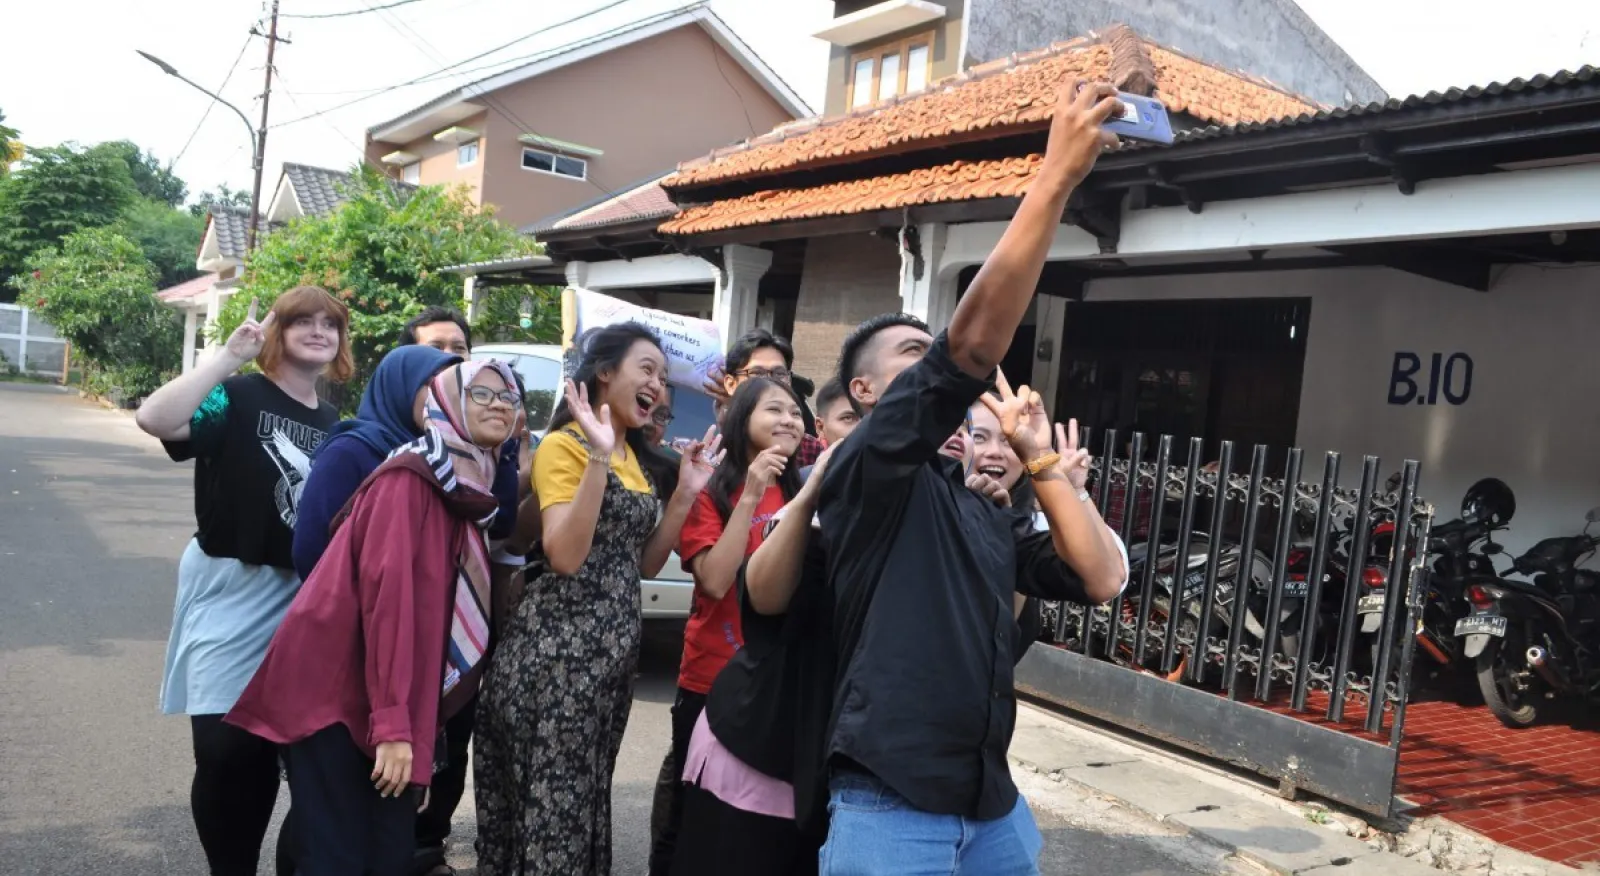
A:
(555, 704)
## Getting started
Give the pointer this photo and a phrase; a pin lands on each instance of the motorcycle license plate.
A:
(1292, 588)
(1481, 625)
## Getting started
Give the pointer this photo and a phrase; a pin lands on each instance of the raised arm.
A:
(168, 410)
(988, 315)
(571, 483)
(1081, 540)
(699, 460)
(715, 567)
(773, 572)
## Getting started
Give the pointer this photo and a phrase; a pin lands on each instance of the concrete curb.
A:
(1269, 832)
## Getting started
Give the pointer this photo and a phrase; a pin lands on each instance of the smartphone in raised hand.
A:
(1141, 118)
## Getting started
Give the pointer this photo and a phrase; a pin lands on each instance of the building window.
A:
(550, 162)
(412, 173)
(467, 154)
(886, 72)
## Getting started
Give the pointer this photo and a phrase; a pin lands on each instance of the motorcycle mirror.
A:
(1593, 516)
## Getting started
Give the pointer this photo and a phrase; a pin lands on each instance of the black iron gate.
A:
(1269, 621)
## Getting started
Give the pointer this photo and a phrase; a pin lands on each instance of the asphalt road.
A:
(94, 780)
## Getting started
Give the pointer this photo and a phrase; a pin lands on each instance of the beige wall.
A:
(946, 50)
(648, 106)
(439, 159)
(846, 279)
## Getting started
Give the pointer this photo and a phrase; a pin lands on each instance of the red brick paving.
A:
(1535, 790)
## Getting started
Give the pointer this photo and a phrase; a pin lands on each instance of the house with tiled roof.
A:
(1286, 272)
(591, 118)
(302, 190)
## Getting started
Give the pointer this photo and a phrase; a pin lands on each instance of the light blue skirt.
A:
(224, 619)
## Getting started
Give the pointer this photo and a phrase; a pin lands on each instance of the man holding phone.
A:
(923, 571)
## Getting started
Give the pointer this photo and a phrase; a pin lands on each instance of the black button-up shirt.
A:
(925, 701)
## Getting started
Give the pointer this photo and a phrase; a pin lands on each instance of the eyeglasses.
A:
(781, 375)
(662, 418)
(485, 396)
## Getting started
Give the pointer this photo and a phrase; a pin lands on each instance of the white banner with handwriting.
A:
(693, 345)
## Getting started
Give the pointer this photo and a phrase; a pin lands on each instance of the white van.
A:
(666, 596)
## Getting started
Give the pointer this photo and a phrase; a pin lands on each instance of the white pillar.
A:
(22, 342)
(738, 289)
(191, 322)
(1048, 356)
(578, 275)
(213, 310)
(469, 298)
(931, 297)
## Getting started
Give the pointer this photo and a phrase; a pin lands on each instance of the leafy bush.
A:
(379, 253)
(98, 292)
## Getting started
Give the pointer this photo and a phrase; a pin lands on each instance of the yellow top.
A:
(559, 462)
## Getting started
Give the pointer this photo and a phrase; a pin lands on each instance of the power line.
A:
(477, 57)
(348, 13)
(207, 114)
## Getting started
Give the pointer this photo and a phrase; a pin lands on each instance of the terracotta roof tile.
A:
(1008, 95)
(647, 201)
(1217, 96)
(957, 181)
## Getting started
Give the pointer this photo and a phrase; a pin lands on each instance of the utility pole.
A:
(261, 133)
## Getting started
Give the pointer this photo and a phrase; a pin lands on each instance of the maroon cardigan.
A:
(363, 642)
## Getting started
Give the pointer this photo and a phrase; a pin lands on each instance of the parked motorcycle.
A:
(1541, 639)
(1460, 553)
(1191, 591)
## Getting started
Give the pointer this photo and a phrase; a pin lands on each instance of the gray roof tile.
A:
(231, 225)
(318, 189)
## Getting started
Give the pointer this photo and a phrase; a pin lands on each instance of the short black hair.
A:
(858, 341)
(831, 392)
(755, 339)
(431, 314)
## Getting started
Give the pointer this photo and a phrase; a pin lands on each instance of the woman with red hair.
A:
(251, 437)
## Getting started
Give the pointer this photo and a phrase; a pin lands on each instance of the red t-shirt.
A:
(713, 632)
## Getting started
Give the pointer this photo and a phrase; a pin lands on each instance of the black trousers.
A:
(433, 823)
(716, 839)
(686, 711)
(235, 787)
(342, 826)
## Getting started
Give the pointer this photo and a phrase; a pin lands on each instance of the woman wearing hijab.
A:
(387, 637)
(355, 448)
(386, 419)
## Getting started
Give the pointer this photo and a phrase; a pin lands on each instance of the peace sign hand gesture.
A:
(596, 427)
(1075, 461)
(1022, 418)
(248, 339)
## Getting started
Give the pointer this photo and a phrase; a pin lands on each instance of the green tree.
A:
(379, 253)
(10, 146)
(501, 310)
(57, 191)
(168, 236)
(98, 291)
(150, 178)
(221, 196)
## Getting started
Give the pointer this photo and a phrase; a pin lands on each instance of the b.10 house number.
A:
(1449, 377)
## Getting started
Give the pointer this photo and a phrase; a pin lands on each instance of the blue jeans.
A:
(873, 831)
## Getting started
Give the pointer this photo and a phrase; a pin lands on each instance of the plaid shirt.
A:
(810, 448)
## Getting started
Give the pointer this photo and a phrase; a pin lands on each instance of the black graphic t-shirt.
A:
(252, 446)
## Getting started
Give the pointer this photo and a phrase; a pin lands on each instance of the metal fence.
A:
(29, 345)
(1254, 599)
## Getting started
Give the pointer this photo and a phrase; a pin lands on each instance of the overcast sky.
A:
(68, 69)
